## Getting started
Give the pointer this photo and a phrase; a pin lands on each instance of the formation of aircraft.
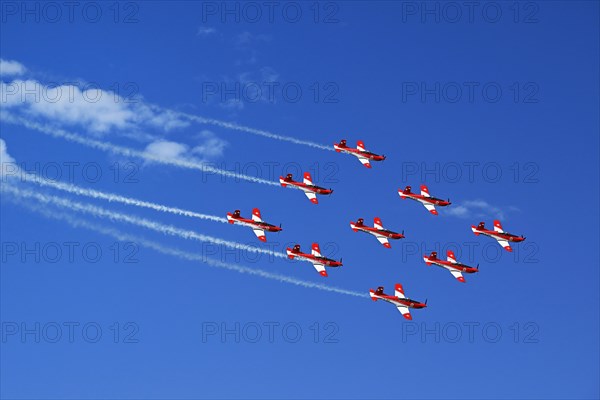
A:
(311, 191)
(315, 258)
(377, 230)
(502, 237)
(256, 223)
(359, 152)
(403, 303)
(424, 198)
(455, 268)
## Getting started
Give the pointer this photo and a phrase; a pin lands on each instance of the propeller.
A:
(425, 301)
(477, 267)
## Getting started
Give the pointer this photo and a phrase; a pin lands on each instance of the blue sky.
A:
(527, 154)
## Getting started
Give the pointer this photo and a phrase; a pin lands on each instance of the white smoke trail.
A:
(259, 132)
(81, 223)
(125, 151)
(73, 189)
(152, 225)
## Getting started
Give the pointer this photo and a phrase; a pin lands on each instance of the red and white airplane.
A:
(502, 237)
(256, 223)
(359, 152)
(402, 302)
(315, 258)
(424, 198)
(311, 191)
(378, 231)
(451, 265)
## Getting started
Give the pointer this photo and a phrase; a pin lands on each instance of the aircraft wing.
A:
(504, 243)
(498, 226)
(316, 250)
(404, 311)
(383, 240)
(399, 291)
(430, 207)
(311, 196)
(457, 275)
(424, 191)
(360, 145)
(377, 223)
(451, 257)
(364, 161)
(256, 215)
(260, 234)
(307, 179)
(320, 269)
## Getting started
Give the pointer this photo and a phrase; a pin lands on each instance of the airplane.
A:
(311, 191)
(360, 152)
(424, 198)
(451, 265)
(502, 237)
(378, 231)
(402, 302)
(315, 258)
(256, 223)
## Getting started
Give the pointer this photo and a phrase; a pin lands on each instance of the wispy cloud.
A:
(11, 68)
(477, 208)
(126, 151)
(5, 159)
(205, 31)
(208, 148)
(97, 110)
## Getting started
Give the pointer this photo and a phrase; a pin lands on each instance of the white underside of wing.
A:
(258, 232)
(503, 243)
(455, 273)
(363, 160)
(430, 207)
(403, 310)
(310, 195)
(382, 239)
(319, 267)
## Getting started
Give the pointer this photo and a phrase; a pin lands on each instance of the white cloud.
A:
(476, 208)
(11, 68)
(210, 147)
(166, 150)
(247, 38)
(213, 146)
(205, 31)
(5, 158)
(95, 109)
